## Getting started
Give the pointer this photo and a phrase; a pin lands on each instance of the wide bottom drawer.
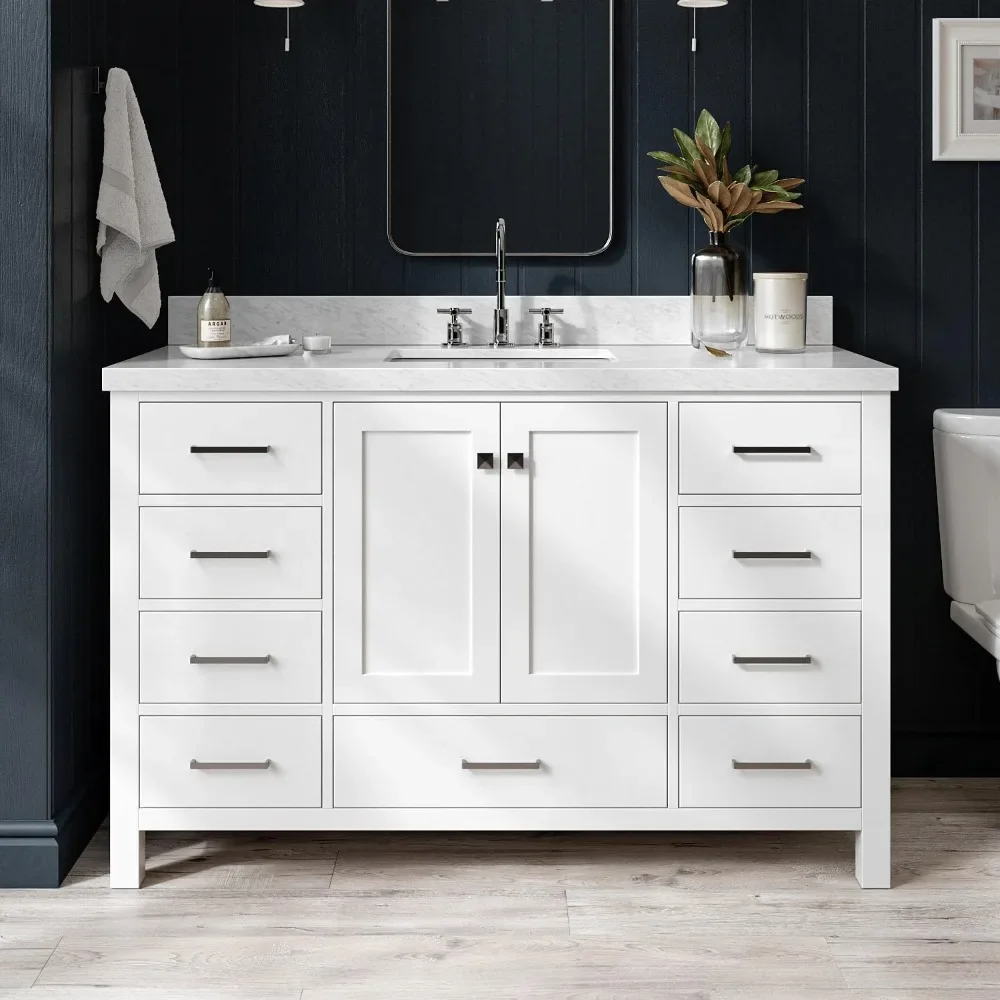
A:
(770, 761)
(511, 761)
(213, 761)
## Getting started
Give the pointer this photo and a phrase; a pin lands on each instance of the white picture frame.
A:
(966, 89)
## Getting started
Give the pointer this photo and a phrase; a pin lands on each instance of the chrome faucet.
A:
(501, 318)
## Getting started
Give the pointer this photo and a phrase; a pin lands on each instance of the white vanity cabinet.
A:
(494, 609)
(488, 552)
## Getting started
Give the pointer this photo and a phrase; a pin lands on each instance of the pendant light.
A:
(697, 5)
(286, 6)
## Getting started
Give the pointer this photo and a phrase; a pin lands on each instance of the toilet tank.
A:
(967, 468)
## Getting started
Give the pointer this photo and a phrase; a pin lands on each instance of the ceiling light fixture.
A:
(286, 6)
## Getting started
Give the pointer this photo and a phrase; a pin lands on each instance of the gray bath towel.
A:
(131, 209)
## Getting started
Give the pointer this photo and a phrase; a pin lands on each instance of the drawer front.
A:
(230, 657)
(230, 448)
(770, 762)
(770, 657)
(214, 761)
(770, 552)
(565, 761)
(770, 447)
(248, 552)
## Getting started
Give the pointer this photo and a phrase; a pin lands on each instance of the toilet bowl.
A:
(967, 468)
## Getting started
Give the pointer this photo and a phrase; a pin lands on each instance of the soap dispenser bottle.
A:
(215, 326)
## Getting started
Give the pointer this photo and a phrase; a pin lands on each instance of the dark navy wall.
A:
(53, 433)
(274, 167)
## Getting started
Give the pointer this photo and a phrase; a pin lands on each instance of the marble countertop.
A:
(636, 369)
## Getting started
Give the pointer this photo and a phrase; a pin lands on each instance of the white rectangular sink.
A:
(496, 354)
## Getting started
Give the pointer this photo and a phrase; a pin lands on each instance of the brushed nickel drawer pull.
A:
(266, 554)
(766, 765)
(775, 660)
(195, 658)
(236, 765)
(524, 765)
(772, 450)
(804, 554)
(240, 449)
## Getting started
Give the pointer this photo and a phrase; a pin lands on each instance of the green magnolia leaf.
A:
(726, 142)
(687, 147)
(742, 176)
(670, 158)
(708, 131)
(780, 194)
(764, 180)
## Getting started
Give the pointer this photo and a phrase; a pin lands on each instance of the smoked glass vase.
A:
(718, 296)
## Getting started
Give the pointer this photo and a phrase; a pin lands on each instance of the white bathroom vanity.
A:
(647, 591)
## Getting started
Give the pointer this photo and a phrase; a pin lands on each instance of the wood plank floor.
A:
(759, 916)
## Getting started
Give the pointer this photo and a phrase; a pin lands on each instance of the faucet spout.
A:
(501, 317)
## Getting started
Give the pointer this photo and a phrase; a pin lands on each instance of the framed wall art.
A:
(966, 89)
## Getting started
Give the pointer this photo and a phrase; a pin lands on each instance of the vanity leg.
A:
(128, 855)
(873, 857)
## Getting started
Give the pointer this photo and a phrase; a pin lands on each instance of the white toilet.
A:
(967, 463)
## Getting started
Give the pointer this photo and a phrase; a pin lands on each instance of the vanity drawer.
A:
(568, 761)
(770, 657)
(214, 761)
(230, 657)
(230, 552)
(770, 761)
(770, 552)
(230, 448)
(770, 448)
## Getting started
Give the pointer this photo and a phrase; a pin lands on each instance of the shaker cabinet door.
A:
(584, 553)
(416, 552)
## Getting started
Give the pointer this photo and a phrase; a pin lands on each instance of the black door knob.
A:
(484, 460)
(515, 460)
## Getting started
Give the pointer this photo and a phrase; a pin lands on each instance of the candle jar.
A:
(779, 312)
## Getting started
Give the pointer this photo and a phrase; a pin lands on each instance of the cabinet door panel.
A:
(584, 560)
(416, 552)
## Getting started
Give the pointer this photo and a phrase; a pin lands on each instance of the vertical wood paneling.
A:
(322, 45)
(610, 273)
(205, 219)
(376, 268)
(269, 113)
(834, 219)
(779, 119)
(24, 336)
(661, 245)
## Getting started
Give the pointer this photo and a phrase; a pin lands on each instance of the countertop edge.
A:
(847, 380)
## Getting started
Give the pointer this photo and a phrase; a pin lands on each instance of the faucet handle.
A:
(546, 332)
(454, 326)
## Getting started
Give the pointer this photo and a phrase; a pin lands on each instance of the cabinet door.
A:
(584, 553)
(416, 552)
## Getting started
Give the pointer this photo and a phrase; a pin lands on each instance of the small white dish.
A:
(316, 345)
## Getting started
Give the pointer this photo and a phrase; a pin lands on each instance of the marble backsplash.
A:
(358, 320)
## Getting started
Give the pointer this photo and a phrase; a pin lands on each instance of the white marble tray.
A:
(240, 351)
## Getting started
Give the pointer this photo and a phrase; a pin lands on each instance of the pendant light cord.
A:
(288, 29)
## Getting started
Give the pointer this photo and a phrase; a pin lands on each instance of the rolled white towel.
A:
(131, 209)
